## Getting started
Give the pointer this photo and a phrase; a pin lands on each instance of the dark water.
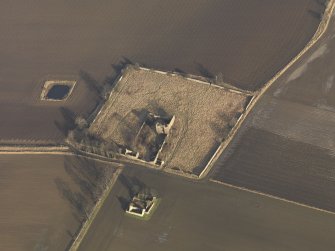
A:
(58, 92)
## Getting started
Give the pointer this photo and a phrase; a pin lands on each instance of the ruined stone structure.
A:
(150, 139)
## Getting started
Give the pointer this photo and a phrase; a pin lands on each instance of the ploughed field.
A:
(276, 165)
(204, 115)
(45, 198)
(286, 147)
(28, 119)
(81, 40)
(196, 216)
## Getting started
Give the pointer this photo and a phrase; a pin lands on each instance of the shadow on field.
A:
(87, 182)
(204, 71)
(91, 83)
(122, 64)
(317, 15)
(117, 70)
(123, 202)
(68, 121)
(101, 89)
(180, 72)
(76, 199)
(322, 3)
(133, 186)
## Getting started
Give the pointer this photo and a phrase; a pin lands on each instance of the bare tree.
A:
(81, 122)
(219, 79)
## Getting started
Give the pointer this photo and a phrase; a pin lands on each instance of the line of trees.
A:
(81, 139)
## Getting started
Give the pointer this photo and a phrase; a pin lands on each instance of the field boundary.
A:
(225, 143)
(319, 32)
(200, 80)
(76, 243)
(19, 149)
(33, 149)
(204, 82)
(271, 196)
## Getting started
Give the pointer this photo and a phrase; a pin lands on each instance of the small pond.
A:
(58, 91)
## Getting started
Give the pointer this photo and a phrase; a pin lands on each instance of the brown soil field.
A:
(275, 165)
(311, 81)
(203, 113)
(286, 146)
(198, 216)
(27, 119)
(42, 200)
(81, 40)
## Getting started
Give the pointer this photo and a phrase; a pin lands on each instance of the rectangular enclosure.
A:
(203, 116)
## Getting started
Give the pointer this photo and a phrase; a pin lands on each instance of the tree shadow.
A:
(138, 184)
(317, 15)
(70, 234)
(204, 71)
(127, 184)
(322, 3)
(132, 184)
(89, 180)
(86, 170)
(157, 109)
(68, 121)
(180, 72)
(60, 126)
(91, 83)
(141, 114)
(122, 64)
(86, 186)
(123, 202)
(117, 70)
(76, 199)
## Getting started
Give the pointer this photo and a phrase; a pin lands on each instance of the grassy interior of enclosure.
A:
(204, 114)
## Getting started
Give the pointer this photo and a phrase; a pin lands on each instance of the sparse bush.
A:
(81, 123)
